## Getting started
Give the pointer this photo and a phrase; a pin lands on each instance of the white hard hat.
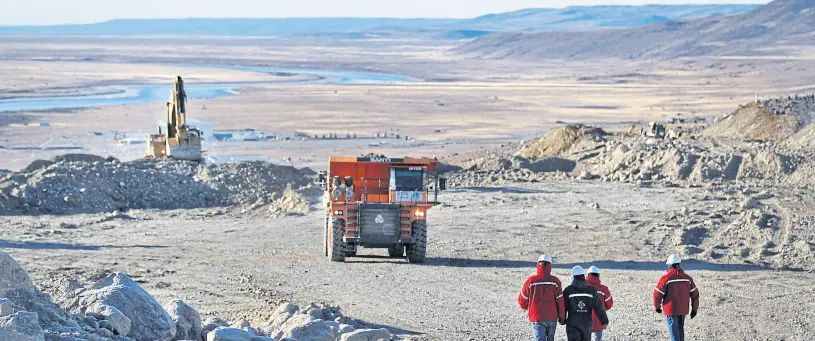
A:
(545, 258)
(673, 259)
(594, 270)
(578, 271)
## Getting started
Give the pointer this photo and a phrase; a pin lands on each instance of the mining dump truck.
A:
(378, 202)
(180, 141)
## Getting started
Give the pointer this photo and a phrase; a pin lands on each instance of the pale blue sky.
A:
(47, 12)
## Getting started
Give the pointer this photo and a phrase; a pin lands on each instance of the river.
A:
(148, 93)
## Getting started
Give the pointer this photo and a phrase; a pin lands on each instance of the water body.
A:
(149, 93)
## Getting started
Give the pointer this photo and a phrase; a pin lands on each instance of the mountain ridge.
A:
(766, 29)
(526, 20)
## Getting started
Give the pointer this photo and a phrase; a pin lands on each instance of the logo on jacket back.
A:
(581, 305)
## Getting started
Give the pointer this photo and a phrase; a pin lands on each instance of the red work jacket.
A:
(542, 296)
(605, 294)
(675, 292)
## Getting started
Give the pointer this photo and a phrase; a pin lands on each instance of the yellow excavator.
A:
(179, 141)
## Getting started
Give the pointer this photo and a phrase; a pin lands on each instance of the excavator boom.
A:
(179, 141)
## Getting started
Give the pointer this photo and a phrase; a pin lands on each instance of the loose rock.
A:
(187, 320)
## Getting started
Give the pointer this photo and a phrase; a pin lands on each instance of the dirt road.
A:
(483, 245)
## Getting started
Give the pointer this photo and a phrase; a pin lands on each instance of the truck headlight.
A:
(419, 214)
(349, 193)
(337, 193)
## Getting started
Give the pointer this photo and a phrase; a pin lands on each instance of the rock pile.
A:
(116, 308)
(753, 121)
(648, 159)
(561, 140)
(289, 203)
(753, 150)
(802, 107)
(90, 184)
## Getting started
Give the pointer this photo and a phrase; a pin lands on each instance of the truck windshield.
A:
(407, 180)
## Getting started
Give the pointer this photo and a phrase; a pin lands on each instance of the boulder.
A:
(106, 324)
(286, 307)
(119, 322)
(206, 329)
(282, 314)
(12, 276)
(5, 307)
(346, 328)
(218, 322)
(228, 334)
(187, 320)
(335, 326)
(21, 326)
(148, 320)
(367, 335)
(316, 313)
(303, 327)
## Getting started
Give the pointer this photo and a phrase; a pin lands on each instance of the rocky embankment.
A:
(116, 308)
(766, 141)
(78, 183)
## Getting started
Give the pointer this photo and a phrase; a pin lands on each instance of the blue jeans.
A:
(598, 335)
(676, 325)
(544, 330)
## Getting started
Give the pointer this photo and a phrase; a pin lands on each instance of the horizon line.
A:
(381, 17)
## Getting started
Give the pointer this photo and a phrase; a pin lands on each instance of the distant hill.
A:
(527, 20)
(582, 18)
(777, 25)
(230, 27)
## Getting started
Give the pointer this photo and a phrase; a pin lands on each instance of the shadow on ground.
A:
(602, 264)
(510, 190)
(374, 259)
(5, 244)
(392, 329)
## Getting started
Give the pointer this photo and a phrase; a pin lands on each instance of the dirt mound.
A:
(754, 121)
(649, 159)
(89, 184)
(561, 140)
(290, 203)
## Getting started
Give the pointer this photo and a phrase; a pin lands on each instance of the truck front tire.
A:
(337, 248)
(416, 252)
(326, 233)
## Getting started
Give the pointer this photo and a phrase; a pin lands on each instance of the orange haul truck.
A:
(378, 202)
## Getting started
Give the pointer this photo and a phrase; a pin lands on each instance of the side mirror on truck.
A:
(319, 179)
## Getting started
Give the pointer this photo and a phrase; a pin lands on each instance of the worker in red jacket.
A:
(594, 280)
(672, 296)
(542, 298)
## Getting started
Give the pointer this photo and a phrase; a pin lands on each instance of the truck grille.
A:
(379, 223)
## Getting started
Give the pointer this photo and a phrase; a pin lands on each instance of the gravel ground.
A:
(484, 242)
